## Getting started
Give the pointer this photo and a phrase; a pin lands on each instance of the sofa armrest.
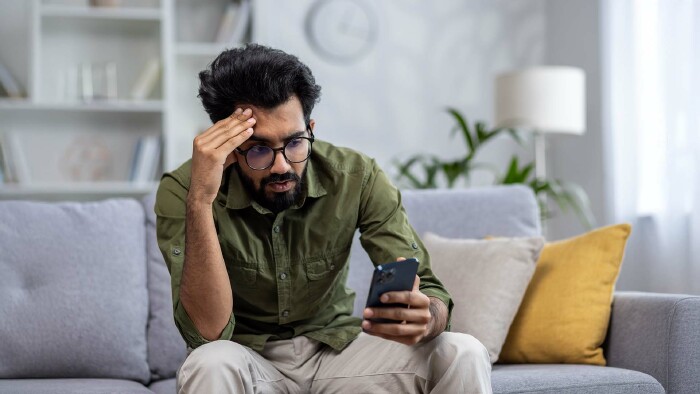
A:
(658, 334)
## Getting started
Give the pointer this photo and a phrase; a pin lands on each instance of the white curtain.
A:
(651, 102)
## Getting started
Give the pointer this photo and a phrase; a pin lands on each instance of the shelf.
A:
(208, 49)
(13, 190)
(154, 106)
(116, 13)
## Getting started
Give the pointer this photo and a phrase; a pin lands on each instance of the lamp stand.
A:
(541, 171)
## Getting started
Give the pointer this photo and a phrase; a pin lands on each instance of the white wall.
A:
(573, 39)
(428, 55)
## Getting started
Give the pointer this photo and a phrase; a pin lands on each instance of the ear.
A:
(312, 125)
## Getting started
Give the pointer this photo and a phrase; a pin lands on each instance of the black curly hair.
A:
(256, 75)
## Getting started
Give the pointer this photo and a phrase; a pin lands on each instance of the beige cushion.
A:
(487, 280)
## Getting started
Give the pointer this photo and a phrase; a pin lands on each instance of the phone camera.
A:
(387, 276)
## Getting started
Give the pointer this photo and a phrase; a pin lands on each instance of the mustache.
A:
(287, 176)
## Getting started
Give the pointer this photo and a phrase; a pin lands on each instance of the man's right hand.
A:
(213, 151)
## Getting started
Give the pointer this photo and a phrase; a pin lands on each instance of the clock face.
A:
(342, 31)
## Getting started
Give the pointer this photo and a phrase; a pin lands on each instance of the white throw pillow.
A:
(487, 280)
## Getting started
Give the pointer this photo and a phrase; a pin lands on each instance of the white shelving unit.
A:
(56, 129)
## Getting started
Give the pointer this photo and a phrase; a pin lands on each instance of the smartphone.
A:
(394, 276)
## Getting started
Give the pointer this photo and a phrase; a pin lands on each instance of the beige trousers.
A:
(451, 363)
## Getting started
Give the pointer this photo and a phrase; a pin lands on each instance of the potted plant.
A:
(427, 171)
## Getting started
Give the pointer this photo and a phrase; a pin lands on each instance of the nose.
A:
(280, 165)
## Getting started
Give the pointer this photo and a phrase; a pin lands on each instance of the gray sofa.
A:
(85, 302)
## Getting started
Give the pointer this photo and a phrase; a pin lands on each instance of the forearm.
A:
(438, 321)
(205, 290)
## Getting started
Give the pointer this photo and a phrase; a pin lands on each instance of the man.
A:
(256, 231)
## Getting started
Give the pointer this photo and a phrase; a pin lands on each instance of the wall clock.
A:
(341, 31)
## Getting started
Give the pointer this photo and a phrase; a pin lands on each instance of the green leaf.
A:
(526, 172)
(480, 131)
(452, 171)
(514, 134)
(405, 171)
(464, 128)
(512, 172)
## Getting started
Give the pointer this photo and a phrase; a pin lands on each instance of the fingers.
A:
(237, 117)
(414, 298)
(408, 334)
(221, 154)
(223, 136)
(234, 142)
(411, 316)
(400, 258)
(231, 132)
(395, 329)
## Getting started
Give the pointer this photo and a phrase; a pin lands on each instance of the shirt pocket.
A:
(243, 274)
(322, 274)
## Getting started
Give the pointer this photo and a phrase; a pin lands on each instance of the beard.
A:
(274, 201)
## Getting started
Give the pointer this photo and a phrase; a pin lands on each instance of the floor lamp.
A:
(542, 100)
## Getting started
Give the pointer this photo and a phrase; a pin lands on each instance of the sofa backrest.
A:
(166, 348)
(508, 211)
(73, 296)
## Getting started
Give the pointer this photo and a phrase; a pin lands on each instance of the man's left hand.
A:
(415, 320)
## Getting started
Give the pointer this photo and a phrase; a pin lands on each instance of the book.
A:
(9, 84)
(153, 160)
(136, 157)
(145, 159)
(14, 159)
(2, 165)
(228, 19)
(234, 22)
(147, 80)
(240, 26)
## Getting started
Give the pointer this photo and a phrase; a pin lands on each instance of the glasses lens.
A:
(297, 150)
(259, 156)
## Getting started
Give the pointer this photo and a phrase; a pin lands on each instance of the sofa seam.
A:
(668, 342)
(584, 386)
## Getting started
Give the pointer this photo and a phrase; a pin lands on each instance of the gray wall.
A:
(573, 39)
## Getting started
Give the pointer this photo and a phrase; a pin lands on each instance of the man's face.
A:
(279, 186)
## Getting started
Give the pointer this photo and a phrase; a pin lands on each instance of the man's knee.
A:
(466, 348)
(217, 356)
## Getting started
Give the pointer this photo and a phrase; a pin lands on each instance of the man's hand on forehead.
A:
(213, 151)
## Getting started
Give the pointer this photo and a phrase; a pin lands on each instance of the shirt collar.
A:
(237, 197)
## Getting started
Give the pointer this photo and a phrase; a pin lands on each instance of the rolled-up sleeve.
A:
(170, 210)
(386, 234)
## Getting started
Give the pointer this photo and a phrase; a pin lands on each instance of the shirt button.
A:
(332, 267)
(283, 276)
(285, 313)
(177, 251)
(276, 229)
(414, 245)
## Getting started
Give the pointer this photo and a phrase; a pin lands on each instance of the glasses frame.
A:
(311, 140)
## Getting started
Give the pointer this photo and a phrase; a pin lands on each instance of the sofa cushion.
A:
(72, 386)
(167, 386)
(73, 296)
(570, 379)
(487, 280)
(565, 312)
(166, 348)
(509, 211)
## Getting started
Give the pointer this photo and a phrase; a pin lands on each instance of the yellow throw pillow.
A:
(566, 309)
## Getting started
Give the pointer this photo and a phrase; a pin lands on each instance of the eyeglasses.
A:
(296, 150)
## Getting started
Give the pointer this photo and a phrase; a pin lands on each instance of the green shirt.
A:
(288, 271)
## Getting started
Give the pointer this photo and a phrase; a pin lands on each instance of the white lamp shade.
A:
(545, 99)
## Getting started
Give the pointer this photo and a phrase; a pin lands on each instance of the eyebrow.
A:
(289, 137)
